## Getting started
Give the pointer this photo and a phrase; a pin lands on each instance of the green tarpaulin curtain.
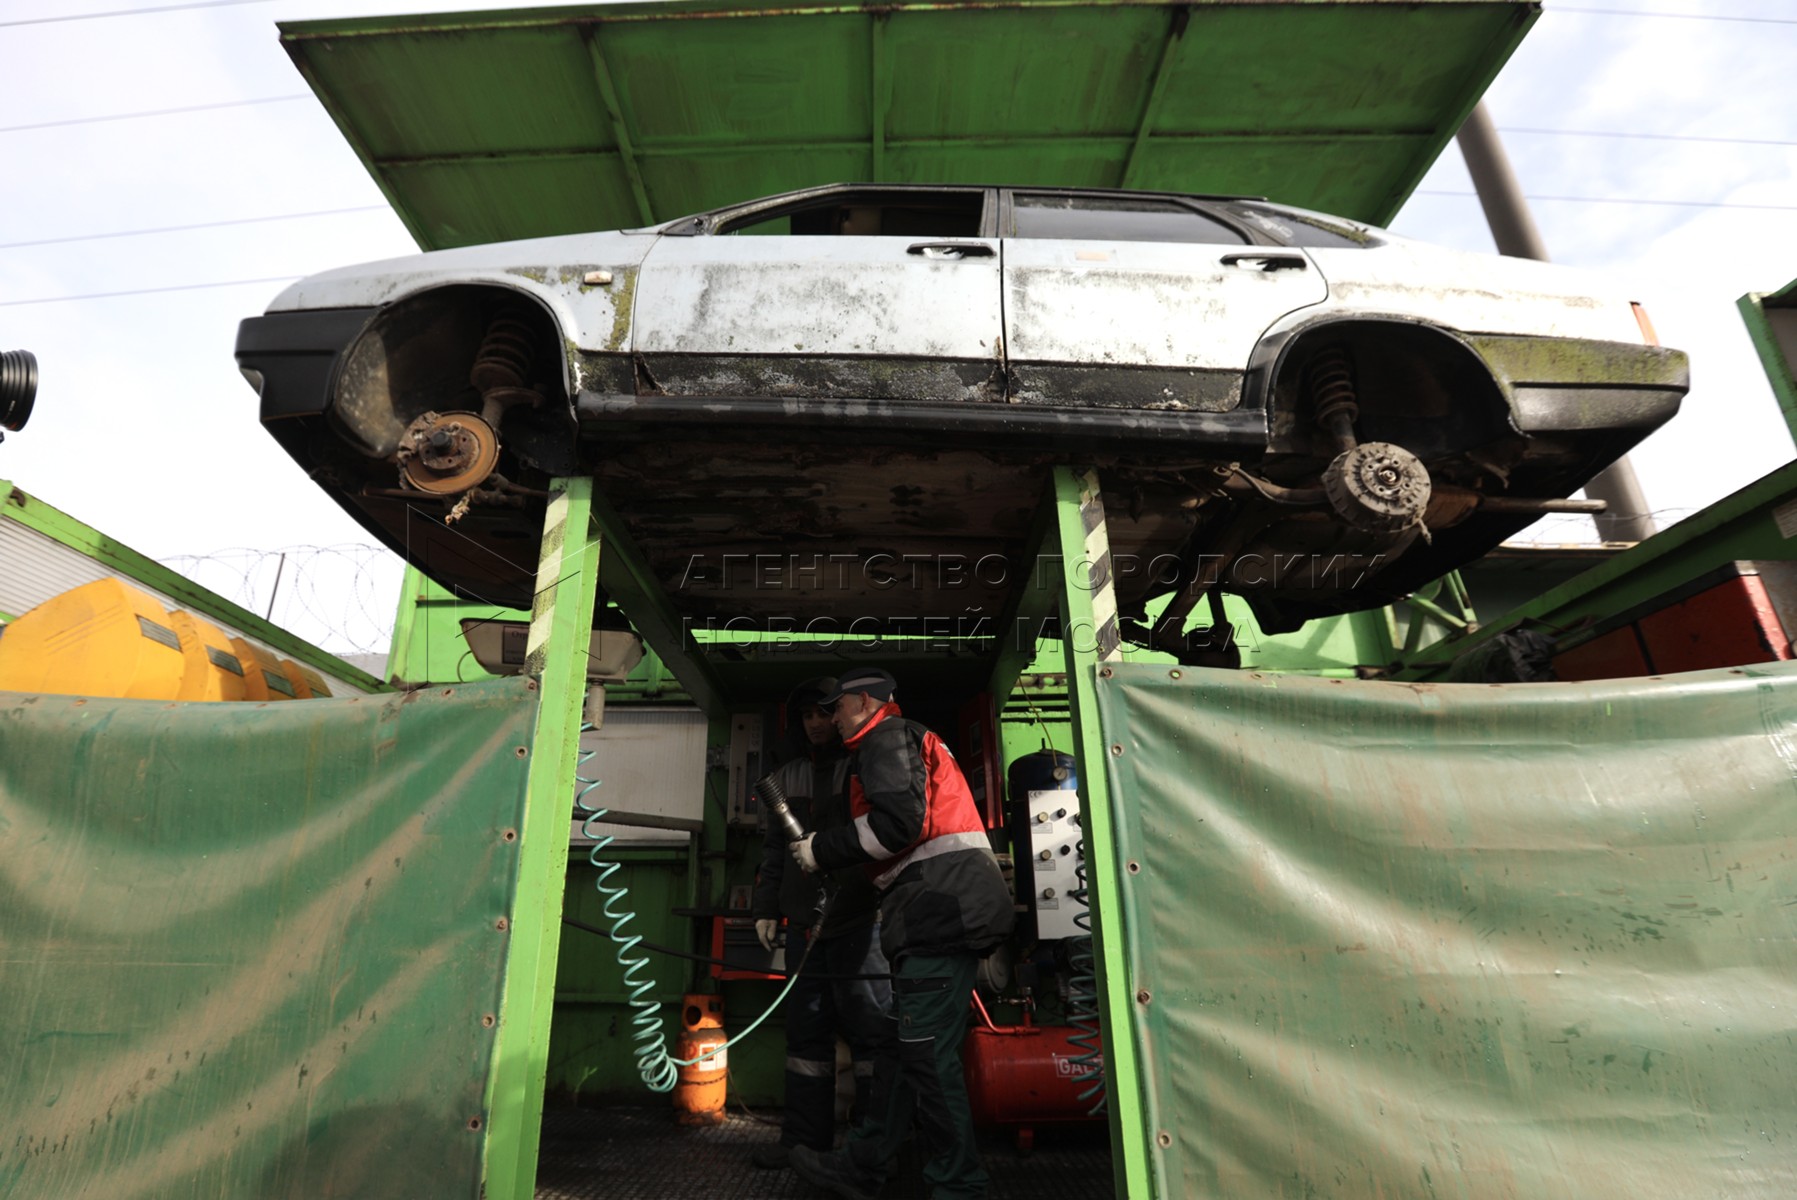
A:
(1461, 941)
(253, 950)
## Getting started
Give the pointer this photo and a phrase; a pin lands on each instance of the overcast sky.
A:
(145, 430)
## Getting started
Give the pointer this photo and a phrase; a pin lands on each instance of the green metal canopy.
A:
(491, 126)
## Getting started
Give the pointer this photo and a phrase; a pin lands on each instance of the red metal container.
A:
(1022, 1076)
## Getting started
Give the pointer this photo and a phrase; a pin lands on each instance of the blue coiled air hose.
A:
(657, 1068)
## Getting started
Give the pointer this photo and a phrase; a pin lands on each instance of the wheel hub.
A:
(1378, 488)
(446, 453)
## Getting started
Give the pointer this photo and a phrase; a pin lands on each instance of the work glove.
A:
(801, 852)
(766, 930)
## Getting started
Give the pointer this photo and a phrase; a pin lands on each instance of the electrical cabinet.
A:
(748, 762)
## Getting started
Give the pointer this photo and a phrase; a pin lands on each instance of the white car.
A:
(1307, 411)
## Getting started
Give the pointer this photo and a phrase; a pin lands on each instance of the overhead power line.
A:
(131, 12)
(94, 237)
(179, 287)
(1636, 200)
(1658, 137)
(155, 112)
(1632, 12)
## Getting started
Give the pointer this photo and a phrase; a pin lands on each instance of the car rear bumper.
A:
(1562, 385)
(290, 358)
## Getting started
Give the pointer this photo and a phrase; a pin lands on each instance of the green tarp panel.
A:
(1395, 940)
(254, 950)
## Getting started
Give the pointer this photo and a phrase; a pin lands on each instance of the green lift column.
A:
(1089, 637)
(561, 619)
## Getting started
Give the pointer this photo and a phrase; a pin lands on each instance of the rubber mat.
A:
(641, 1154)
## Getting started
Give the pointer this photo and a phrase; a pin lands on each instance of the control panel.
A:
(1054, 853)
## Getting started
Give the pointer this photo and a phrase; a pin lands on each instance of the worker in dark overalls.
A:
(825, 1001)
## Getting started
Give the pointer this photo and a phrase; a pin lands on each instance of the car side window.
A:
(1114, 219)
(892, 214)
(1295, 227)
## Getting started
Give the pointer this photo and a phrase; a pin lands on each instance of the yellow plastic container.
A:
(213, 672)
(264, 678)
(104, 638)
(309, 684)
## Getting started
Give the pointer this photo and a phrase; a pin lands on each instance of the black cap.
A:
(812, 691)
(871, 680)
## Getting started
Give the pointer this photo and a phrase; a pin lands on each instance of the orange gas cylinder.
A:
(699, 1096)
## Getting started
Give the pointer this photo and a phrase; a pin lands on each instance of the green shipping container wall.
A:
(1414, 941)
(254, 950)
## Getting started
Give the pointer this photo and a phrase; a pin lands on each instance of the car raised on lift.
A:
(1298, 408)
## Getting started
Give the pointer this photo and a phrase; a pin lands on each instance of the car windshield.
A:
(1297, 227)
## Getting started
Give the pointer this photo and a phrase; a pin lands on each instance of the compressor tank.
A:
(1024, 1076)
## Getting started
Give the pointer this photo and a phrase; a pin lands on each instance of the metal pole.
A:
(561, 622)
(276, 589)
(1088, 604)
(1513, 228)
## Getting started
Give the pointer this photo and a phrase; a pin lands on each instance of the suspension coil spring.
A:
(505, 354)
(1331, 379)
(1082, 996)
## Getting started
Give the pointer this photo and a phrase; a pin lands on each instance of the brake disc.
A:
(447, 453)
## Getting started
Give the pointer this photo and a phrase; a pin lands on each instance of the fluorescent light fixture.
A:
(499, 648)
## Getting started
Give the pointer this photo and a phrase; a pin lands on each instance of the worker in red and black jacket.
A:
(943, 906)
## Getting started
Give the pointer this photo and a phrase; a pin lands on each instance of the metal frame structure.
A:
(570, 571)
(1771, 319)
(1265, 98)
(1089, 639)
(561, 616)
(1751, 524)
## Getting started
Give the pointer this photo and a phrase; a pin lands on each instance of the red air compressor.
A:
(1022, 1076)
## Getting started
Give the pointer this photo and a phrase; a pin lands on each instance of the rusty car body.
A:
(1307, 411)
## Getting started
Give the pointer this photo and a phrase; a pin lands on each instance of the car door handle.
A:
(951, 250)
(1266, 262)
